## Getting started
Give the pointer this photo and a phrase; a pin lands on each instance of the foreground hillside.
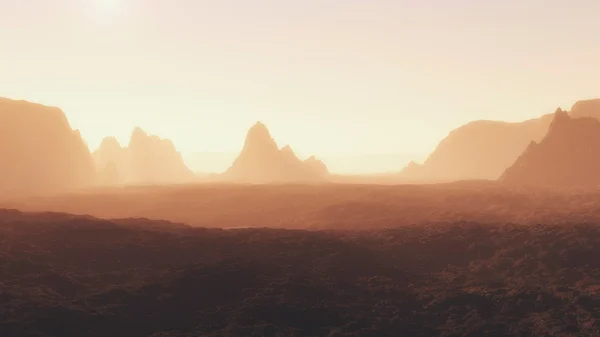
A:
(77, 276)
(328, 206)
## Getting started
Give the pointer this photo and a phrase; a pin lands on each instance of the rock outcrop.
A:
(147, 159)
(569, 155)
(39, 151)
(261, 161)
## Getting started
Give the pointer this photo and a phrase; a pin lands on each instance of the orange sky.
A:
(333, 78)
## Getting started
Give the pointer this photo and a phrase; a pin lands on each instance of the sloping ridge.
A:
(569, 155)
(478, 150)
(39, 151)
(588, 108)
(261, 161)
(485, 149)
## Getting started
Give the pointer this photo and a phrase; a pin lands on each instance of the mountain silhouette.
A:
(39, 151)
(485, 149)
(261, 161)
(147, 159)
(111, 163)
(568, 156)
(109, 175)
(478, 150)
(317, 166)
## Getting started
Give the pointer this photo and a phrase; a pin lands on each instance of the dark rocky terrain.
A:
(63, 276)
(301, 257)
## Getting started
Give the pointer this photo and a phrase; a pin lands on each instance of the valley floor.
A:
(327, 206)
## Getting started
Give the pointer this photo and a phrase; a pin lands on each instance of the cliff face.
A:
(261, 161)
(39, 152)
(146, 160)
(568, 156)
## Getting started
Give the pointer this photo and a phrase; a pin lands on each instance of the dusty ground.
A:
(328, 206)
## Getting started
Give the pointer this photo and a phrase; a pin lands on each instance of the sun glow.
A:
(107, 5)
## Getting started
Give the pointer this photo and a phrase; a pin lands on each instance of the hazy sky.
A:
(326, 76)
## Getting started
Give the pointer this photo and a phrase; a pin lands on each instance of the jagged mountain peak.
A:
(110, 142)
(262, 161)
(258, 136)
